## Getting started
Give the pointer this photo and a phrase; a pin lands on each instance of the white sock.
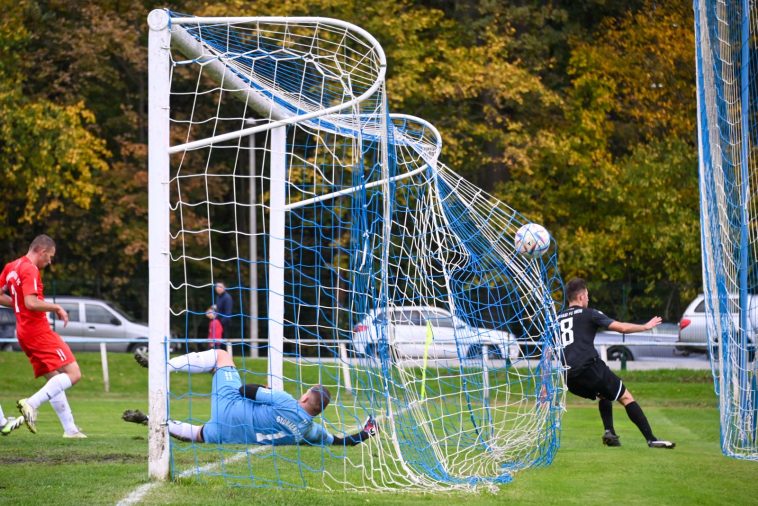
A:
(63, 410)
(3, 420)
(184, 431)
(53, 387)
(204, 361)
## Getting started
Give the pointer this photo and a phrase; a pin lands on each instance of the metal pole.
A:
(104, 362)
(276, 258)
(253, 251)
(159, 91)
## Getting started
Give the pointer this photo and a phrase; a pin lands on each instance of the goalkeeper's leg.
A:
(195, 362)
(182, 431)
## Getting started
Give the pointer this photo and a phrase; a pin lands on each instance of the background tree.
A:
(579, 114)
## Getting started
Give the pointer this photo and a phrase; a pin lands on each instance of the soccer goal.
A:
(727, 82)
(356, 260)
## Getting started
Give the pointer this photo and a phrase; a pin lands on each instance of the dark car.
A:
(7, 327)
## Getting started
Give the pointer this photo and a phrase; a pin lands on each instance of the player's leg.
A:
(63, 410)
(195, 362)
(8, 425)
(186, 432)
(182, 431)
(585, 384)
(637, 416)
(59, 379)
(610, 438)
(203, 361)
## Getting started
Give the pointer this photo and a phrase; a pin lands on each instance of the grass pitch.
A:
(110, 465)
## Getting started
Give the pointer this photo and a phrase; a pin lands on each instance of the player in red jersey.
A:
(22, 290)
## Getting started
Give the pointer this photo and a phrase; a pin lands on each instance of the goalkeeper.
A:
(252, 414)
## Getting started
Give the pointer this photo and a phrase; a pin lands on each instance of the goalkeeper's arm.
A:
(250, 390)
(352, 439)
(369, 429)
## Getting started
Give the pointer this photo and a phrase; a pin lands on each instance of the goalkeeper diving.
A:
(252, 414)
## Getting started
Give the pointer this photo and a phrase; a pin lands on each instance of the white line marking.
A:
(140, 492)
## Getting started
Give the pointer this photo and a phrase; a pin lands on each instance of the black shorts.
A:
(595, 380)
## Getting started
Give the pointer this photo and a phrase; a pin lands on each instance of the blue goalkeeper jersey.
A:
(273, 418)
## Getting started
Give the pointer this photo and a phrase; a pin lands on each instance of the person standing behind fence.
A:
(215, 329)
(49, 355)
(224, 306)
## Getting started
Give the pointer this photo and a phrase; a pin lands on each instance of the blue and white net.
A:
(384, 275)
(727, 83)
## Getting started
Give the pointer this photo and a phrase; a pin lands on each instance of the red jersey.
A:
(215, 330)
(19, 279)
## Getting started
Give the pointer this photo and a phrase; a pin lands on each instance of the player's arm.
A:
(369, 430)
(631, 328)
(34, 304)
(351, 439)
(251, 391)
(5, 300)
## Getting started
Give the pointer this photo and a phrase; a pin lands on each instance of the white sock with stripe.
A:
(184, 431)
(204, 361)
(63, 410)
(53, 387)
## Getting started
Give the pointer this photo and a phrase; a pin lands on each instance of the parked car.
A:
(632, 346)
(693, 327)
(7, 327)
(94, 318)
(451, 336)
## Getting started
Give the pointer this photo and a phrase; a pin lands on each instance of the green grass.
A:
(681, 405)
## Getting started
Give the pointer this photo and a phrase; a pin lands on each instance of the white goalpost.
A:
(384, 276)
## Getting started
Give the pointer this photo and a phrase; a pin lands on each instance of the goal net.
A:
(727, 66)
(355, 260)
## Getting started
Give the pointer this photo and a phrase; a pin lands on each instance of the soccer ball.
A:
(532, 240)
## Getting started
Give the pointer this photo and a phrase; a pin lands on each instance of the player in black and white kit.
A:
(590, 377)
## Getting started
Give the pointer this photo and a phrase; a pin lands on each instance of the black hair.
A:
(574, 288)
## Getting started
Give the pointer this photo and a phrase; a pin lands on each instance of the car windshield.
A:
(123, 312)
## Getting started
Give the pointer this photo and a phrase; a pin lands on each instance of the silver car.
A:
(658, 342)
(94, 318)
(693, 333)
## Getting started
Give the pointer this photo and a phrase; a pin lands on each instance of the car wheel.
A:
(139, 347)
(620, 353)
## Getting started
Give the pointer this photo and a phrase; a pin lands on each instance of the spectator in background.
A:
(224, 305)
(215, 329)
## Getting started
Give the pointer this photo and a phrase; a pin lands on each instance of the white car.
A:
(693, 330)
(451, 336)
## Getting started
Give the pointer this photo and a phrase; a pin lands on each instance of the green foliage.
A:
(617, 186)
(48, 154)
(579, 114)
